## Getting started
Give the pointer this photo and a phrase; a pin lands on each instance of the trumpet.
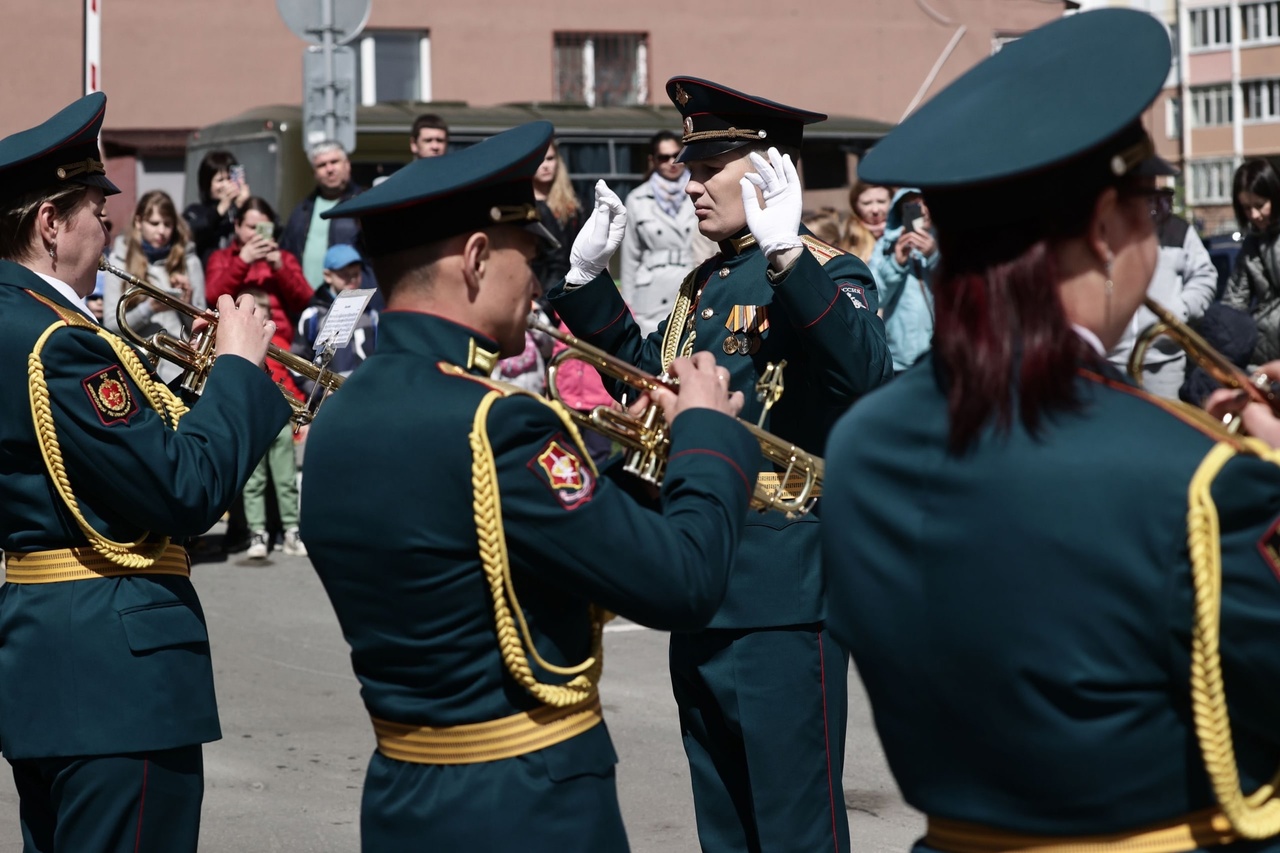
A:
(195, 355)
(1222, 369)
(792, 484)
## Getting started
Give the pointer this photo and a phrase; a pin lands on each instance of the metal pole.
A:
(326, 39)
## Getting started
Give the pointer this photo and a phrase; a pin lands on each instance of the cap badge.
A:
(682, 97)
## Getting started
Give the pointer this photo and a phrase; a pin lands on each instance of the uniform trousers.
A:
(281, 463)
(147, 802)
(762, 714)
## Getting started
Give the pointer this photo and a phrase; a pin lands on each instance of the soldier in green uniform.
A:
(762, 691)
(1062, 593)
(473, 582)
(106, 688)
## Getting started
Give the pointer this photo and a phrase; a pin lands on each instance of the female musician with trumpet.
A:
(106, 687)
(1062, 593)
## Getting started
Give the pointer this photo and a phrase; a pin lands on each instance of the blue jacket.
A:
(906, 295)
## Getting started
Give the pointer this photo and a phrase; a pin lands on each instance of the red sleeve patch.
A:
(560, 468)
(108, 390)
(1269, 547)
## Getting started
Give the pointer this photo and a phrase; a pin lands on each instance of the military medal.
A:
(746, 324)
(731, 345)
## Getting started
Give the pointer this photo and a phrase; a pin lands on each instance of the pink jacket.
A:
(580, 386)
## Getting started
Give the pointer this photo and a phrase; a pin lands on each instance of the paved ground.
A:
(286, 776)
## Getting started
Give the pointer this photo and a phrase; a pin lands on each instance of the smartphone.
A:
(237, 173)
(913, 216)
(266, 229)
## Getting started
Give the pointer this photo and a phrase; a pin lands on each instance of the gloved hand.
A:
(776, 226)
(599, 238)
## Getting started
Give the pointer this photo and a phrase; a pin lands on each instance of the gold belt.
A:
(473, 743)
(80, 564)
(1206, 828)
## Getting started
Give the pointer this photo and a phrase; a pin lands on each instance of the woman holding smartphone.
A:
(903, 262)
(255, 262)
(157, 248)
(223, 191)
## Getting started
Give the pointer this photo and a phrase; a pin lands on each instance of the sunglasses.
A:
(660, 159)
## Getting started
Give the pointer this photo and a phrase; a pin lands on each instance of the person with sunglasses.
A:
(662, 240)
(1185, 282)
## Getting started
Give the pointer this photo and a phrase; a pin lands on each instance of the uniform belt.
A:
(80, 564)
(473, 743)
(773, 481)
(1206, 828)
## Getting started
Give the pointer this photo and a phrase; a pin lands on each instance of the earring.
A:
(1109, 288)
(53, 252)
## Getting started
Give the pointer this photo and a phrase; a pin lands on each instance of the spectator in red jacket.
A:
(255, 262)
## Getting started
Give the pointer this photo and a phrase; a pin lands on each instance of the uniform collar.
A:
(738, 244)
(436, 337)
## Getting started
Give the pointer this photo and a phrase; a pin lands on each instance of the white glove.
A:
(776, 225)
(599, 238)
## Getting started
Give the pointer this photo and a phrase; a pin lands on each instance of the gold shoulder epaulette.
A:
(823, 252)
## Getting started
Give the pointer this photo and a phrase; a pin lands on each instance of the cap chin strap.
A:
(1126, 160)
(503, 213)
(729, 133)
(87, 166)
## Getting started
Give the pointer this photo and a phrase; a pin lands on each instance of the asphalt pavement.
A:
(286, 775)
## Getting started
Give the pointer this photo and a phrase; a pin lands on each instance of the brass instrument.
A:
(794, 491)
(1214, 363)
(196, 355)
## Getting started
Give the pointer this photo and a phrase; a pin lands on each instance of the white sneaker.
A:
(293, 546)
(258, 545)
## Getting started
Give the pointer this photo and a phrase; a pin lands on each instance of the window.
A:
(1261, 100)
(1211, 27)
(1260, 21)
(1211, 105)
(1210, 181)
(601, 69)
(394, 65)
(621, 163)
(1173, 118)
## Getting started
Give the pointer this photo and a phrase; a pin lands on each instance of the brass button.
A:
(724, 272)
(707, 313)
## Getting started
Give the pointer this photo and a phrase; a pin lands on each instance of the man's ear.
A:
(475, 259)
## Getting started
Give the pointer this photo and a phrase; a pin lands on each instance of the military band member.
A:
(1062, 593)
(106, 688)
(762, 691)
(473, 582)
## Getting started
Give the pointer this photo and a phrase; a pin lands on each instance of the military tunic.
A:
(109, 666)
(1020, 613)
(403, 568)
(762, 694)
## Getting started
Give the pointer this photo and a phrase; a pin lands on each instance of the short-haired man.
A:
(429, 136)
(761, 692)
(485, 708)
(306, 234)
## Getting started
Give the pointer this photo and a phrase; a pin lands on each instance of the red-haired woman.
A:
(1020, 545)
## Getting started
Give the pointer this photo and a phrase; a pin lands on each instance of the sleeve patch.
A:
(560, 468)
(108, 390)
(1269, 547)
(857, 295)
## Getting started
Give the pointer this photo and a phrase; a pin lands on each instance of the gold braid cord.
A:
(125, 554)
(678, 319)
(516, 646)
(1257, 815)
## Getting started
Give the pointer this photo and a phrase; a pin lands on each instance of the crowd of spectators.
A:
(231, 241)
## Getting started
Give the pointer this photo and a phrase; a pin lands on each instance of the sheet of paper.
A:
(343, 316)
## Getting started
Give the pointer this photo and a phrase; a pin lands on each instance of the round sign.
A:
(306, 17)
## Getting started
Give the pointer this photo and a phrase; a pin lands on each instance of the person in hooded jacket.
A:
(903, 262)
(1255, 279)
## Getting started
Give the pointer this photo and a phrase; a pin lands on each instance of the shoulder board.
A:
(69, 315)
(823, 252)
(506, 389)
(1193, 416)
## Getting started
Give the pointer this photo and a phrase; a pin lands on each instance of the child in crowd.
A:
(342, 265)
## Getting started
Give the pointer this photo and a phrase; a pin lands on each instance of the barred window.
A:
(1211, 105)
(1211, 27)
(1260, 21)
(1261, 100)
(602, 69)
(1210, 181)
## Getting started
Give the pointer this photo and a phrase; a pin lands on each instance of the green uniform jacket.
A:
(821, 320)
(112, 665)
(1020, 614)
(401, 561)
